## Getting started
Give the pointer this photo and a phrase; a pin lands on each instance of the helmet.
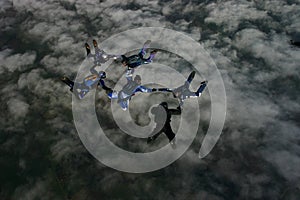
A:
(137, 78)
(102, 74)
(124, 59)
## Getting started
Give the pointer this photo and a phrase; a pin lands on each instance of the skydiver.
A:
(100, 56)
(183, 92)
(88, 83)
(131, 87)
(295, 43)
(166, 126)
(137, 60)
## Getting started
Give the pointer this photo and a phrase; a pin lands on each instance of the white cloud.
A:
(17, 108)
(231, 13)
(15, 61)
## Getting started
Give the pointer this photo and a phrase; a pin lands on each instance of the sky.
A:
(257, 155)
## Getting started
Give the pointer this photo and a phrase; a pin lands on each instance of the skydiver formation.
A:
(133, 85)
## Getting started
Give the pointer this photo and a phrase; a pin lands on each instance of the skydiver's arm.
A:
(176, 111)
(129, 74)
(164, 89)
(110, 55)
(143, 89)
(93, 70)
(102, 84)
(180, 102)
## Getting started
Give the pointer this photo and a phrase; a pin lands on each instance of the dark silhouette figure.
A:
(161, 125)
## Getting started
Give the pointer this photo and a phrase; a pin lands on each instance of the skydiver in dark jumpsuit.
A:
(166, 126)
(183, 92)
(137, 60)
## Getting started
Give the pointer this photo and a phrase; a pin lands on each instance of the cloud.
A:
(4, 5)
(38, 189)
(230, 13)
(17, 108)
(15, 62)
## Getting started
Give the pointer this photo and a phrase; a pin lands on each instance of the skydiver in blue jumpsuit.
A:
(100, 56)
(137, 60)
(183, 92)
(88, 83)
(131, 87)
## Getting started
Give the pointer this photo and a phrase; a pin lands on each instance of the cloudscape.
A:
(257, 155)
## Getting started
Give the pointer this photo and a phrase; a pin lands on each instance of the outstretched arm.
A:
(102, 84)
(143, 89)
(176, 111)
(129, 74)
(93, 70)
(162, 89)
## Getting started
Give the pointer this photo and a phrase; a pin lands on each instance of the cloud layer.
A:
(257, 156)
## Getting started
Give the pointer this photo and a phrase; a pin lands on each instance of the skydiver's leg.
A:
(88, 49)
(152, 55)
(152, 138)
(82, 93)
(113, 94)
(143, 50)
(169, 132)
(188, 80)
(107, 89)
(123, 100)
(97, 50)
(201, 88)
(124, 104)
(95, 43)
(191, 77)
